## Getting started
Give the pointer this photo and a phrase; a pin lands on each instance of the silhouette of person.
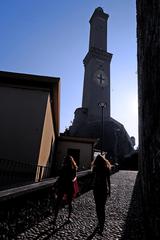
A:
(101, 168)
(66, 185)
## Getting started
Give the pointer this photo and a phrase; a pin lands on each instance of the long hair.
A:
(70, 162)
(101, 163)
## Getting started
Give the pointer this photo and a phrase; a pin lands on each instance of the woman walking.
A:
(101, 168)
(66, 181)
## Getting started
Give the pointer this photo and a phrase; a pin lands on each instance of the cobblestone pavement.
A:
(124, 218)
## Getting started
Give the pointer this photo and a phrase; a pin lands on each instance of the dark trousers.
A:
(100, 198)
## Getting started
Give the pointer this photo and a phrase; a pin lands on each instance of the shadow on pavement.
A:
(134, 228)
(52, 231)
(90, 237)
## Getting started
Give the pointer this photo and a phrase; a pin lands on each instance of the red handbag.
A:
(76, 187)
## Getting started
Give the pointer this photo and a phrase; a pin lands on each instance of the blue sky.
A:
(49, 37)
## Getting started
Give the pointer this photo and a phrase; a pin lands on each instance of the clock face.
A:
(101, 78)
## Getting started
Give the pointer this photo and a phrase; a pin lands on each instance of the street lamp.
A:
(102, 105)
(117, 130)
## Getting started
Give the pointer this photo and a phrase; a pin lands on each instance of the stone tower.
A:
(89, 122)
(96, 88)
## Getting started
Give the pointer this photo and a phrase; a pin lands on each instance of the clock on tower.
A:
(101, 78)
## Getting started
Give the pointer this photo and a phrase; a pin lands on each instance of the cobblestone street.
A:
(124, 218)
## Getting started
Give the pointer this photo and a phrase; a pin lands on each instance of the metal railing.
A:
(42, 172)
(14, 173)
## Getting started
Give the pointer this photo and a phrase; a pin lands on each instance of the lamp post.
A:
(102, 105)
(116, 144)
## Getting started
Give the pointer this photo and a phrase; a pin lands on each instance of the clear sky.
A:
(49, 37)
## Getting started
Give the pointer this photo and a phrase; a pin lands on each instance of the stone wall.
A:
(148, 37)
(23, 207)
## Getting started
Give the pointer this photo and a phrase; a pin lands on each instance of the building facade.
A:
(81, 149)
(29, 124)
(148, 39)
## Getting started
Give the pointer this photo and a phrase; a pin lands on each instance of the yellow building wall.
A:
(48, 139)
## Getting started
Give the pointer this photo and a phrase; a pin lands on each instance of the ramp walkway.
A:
(124, 215)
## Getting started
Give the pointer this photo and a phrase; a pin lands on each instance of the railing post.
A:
(40, 173)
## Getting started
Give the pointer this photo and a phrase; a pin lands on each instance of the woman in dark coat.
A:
(66, 184)
(101, 168)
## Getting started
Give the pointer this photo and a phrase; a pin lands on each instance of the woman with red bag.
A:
(66, 183)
